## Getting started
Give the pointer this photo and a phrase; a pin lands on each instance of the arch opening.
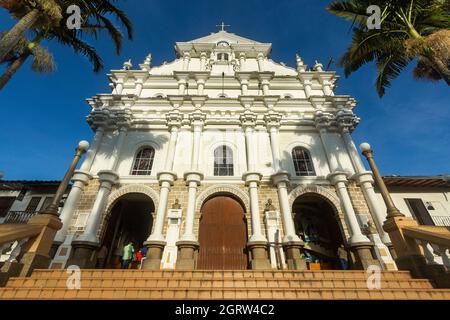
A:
(129, 219)
(316, 223)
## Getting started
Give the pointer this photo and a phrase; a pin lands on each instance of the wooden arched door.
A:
(222, 235)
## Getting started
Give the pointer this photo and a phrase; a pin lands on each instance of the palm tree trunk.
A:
(12, 69)
(11, 38)
(440, 67)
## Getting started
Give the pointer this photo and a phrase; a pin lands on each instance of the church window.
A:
(302, 162)
(223, 161)
(222, 56)
(143, 162)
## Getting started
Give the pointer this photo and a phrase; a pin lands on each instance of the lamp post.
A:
(392, 210)
(52, 209)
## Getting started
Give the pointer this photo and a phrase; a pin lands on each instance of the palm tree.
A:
(410, 30)
(42, 60)
(30, 13)
(95, 19)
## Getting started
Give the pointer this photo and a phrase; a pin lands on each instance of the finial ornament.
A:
(301, 67)
(318, 66)
(127, 65)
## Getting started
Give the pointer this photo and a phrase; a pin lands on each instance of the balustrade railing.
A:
(19, 217)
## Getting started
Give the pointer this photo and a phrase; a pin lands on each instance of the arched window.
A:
(302, 162)
(223, 161)
(143, 162)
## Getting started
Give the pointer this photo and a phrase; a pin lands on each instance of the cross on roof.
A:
(222, 26)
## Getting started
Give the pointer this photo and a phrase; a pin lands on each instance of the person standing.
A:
(128, 251)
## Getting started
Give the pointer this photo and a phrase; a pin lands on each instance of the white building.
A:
(224, 159)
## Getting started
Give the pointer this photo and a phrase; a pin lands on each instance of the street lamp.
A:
(392, 210)
(53, 207)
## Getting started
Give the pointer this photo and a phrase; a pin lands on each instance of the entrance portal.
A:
(222, 235)
(316, 224)
(130, 219)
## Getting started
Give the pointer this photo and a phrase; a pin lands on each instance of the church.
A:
(224, 159)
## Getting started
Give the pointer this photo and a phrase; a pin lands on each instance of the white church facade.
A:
(224, 159)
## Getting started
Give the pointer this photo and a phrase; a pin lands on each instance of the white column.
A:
(92, 152)
(193, 178)
(203, 61)
(80, 180)
(281, 180)
(327, 88)
(107, 179)
(274, 144)
(167, 177)
(200, 86)
(119, 87)
(166, 180)
(242, 61)
(139, 87)
(265, 87)
(365, 180)
(307, 85)
(186, 60)
(339, 180)
(181, 86)
(356, 237)
(251, 177)
(170, 157)
(260, 58)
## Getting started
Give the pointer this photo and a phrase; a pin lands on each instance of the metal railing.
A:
(19, 217)
(441, 221)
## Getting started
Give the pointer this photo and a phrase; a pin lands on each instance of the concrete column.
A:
(186, 60)
(327, 88)
(260, 59)
(181, 86)
(292, 244)
(242, 61)
(200, 87)
(107, 179)
(203, 61)
(139, 87)
(156, 241)
(80, 180)
(365, 181)
(92, 152)
(265, 87)
(119, 87)
(275, 146)
(308, 90)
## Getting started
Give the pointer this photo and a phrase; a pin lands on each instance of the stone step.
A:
(323, 274)
(176, 282)
(232, 293)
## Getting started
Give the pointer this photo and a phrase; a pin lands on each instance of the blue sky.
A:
(43, 116)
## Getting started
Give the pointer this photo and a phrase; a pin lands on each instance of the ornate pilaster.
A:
(244, 78)
(201, 78)
(264, 79)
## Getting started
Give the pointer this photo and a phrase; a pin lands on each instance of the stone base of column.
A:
(154, 255)
(392, 250)
(186, 255)
(259, 255)
(363, 256)
(294, 257)
(83, 254)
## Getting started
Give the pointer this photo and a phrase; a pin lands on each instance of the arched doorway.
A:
(222, 235)
(316, 224)
(130, 219)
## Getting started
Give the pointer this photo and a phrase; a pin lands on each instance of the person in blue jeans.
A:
(128, 251)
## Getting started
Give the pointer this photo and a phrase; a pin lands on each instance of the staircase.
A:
(149, 284)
